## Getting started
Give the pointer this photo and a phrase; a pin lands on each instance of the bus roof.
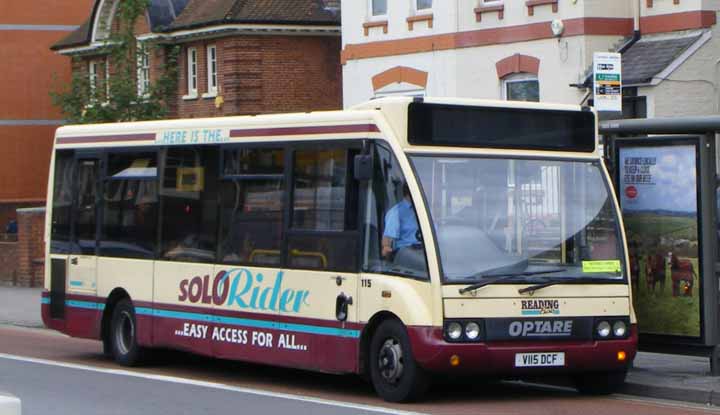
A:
(381, 118)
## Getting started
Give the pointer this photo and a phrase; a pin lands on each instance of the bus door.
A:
(82, 263)
(319, 297)
(183, 293)
(395, 273)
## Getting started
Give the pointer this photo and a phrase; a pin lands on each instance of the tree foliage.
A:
(117, 97)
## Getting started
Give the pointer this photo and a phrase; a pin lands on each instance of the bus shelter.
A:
(665, 171)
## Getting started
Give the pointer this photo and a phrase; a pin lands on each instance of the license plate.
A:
(539, 359)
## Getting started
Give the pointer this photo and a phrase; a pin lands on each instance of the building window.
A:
(521, 87)
(107, 79)
(192, 72)
(378, 8)
(93, 69)
(143, 71)
(423, 5)
(633, 105)
(212, 70)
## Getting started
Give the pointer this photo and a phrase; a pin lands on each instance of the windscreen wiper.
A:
(501, 277)
(531, 289)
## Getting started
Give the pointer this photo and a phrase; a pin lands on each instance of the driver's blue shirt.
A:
(401, 224)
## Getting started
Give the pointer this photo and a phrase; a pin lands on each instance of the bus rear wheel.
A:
(123, 335)
(395, 375)
(600, 383)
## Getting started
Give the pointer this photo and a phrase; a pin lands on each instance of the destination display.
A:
(493, 127)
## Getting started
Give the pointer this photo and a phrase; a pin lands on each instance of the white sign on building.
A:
(607, 77)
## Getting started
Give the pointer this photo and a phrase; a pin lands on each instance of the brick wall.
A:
(265, 74)
(8, 262)
(8, 211)
(30, 246)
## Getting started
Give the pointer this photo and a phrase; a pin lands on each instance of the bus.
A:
(401, 240)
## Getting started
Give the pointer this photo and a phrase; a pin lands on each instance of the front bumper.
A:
(433, 353)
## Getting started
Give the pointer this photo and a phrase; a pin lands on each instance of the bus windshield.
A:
(522, 217)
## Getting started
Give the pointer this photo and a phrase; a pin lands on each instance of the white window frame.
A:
(192, 73)
(517, 78)
(491, 2)
(93, 67)
(378, 16)
(107, 79)
(212, 71)
(143, 71)
(424, 10)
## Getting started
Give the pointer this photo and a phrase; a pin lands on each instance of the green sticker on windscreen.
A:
(612, 266)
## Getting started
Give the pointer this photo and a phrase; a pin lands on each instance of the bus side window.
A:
(62, 202)
(129, 227)
(85, 206)
(251, 198)
(324, 233)
(392, 239)
(189, 195)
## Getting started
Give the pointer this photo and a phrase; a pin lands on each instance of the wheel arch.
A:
(366, 337)
(115, 297)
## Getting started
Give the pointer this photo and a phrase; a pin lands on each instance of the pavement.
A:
(654, 375)
(20, 306)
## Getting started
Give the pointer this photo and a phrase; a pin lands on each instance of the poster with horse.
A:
(659, 201)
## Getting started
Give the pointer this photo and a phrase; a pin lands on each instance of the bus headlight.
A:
(603, 329)
(454, 331)
(472, 330)
(619, 329)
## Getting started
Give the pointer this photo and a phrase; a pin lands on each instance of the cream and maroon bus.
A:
(401, 239)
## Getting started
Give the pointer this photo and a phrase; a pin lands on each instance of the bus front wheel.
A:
(123, 335)
(395, 375)
(600, 383)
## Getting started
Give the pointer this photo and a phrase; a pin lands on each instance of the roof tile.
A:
(647, 58)
(208, 12)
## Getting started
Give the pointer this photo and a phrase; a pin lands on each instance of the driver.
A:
(401, 226)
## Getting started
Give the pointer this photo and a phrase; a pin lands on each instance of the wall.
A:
(30, 247)
(8, 211)
(265, 74)
(471, 72)
(690, 89)
(452, 17)
(454, 69)
(30, 70)
(8, 262)
(459, 53)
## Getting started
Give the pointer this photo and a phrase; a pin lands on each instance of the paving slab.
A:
(674, 377)
(20, 306)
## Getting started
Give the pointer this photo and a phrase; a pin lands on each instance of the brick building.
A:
(27, 116)
(236, 57)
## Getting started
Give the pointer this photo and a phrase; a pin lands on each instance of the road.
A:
(52, 373)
